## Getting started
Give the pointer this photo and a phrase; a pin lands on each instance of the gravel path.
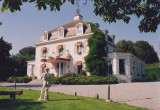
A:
(142, 94)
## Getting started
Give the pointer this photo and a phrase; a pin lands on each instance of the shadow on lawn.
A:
(65, 99)
(20, 104)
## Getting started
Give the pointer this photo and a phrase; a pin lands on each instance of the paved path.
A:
(142, 94)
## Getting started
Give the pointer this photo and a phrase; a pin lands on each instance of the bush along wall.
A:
(83, 80)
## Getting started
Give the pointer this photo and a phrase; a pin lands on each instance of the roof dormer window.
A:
(80, 28)
(61, 32)
(45, 35)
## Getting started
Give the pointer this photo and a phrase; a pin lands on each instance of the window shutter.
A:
(75, 48)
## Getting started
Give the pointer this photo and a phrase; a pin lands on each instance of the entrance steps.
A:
(123, 78)
(36, 81)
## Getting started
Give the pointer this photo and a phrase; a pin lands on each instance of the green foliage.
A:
(20, 59)
(146, 52)
(5, 47)
(24, 79)
(56, 80)
(125, 46)
(82, 72)
(58, 101)
(27, 51)
(153, 71)
(141, 49)
(95, 62)
(109, 10)
(5, 72)
(113, 10)
(83, 80)
(70, 74)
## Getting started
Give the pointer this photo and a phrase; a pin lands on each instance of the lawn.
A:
(58, 101)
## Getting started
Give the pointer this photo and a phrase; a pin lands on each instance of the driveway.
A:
(142, 94)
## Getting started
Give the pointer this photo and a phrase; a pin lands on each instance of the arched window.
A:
(80, 28)
(61, 32)
(45, 35)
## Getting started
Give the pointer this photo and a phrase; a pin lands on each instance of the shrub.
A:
(56, 80)
(82, 72)
(24, 79)
(69, 74)
(153, 73)
(83, 80)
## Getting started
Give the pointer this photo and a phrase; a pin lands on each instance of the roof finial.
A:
(77, 7)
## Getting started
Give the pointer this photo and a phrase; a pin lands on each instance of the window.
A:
(106, 48)
(79, 66)
(122, 66)
(45, 34)
(79, 48)
(80, 28)
(60, 50)
(44, 51)
(61, 32)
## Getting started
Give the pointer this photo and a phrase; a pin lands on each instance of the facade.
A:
(64, 48)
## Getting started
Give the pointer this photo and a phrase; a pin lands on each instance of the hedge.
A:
(83, 80)
(24, 79)
(153, 73)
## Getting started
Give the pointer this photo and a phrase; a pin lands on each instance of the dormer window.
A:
(45, 35)
(80, 28)
(61, 32)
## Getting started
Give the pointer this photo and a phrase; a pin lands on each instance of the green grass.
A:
(58, 101)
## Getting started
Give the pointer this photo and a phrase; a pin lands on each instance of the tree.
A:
(27, 51)
(20, 59)
(0, 23)
(146, 52)
(109, 10)
(125, 46)
(6, 68)
(5, 48)
(95, 60)
(141, 49)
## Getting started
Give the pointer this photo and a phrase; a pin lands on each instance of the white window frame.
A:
(60, 52)
(45, 34)
(61, 32)
(79, 28)
(79, 49)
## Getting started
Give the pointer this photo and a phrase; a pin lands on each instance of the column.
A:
(127, 66)
(59, 68)
(115, 65)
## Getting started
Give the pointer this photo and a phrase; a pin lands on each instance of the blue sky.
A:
(24, 27)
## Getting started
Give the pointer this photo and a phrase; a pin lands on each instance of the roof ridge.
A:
(69, 24)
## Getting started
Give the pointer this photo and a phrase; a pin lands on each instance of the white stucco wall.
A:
(31, 68)
(134, 67)
(69, 44)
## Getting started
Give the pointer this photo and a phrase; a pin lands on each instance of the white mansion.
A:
(63, 50)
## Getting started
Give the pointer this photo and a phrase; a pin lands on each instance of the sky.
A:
(23, 28)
